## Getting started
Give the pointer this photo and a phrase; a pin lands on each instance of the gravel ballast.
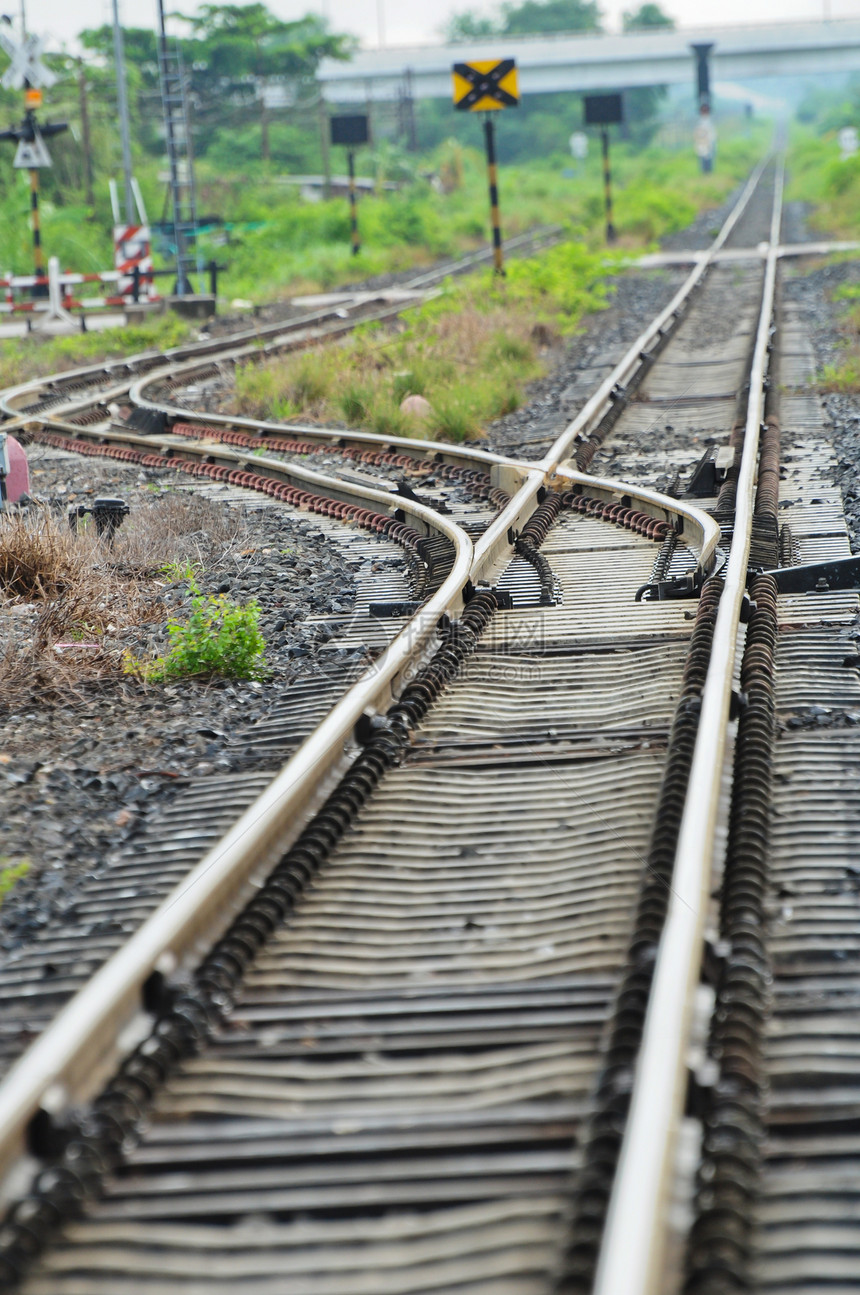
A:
(81, 774)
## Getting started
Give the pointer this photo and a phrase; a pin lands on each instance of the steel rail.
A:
(79, 1048)
(494, 539)
(521, 476)
(590, 415)
(706, 533)
(444, 451)
(105, 1020)
(304, 331)
(631, 1255)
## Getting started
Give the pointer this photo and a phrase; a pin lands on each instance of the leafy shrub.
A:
(219, 637)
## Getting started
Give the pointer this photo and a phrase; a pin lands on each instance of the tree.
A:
(469, 26)
(239, 48)
(533, 17)
(646, 17)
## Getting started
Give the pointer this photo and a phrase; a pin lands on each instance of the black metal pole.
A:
(607, 184)
(493, 175)
(353, 206)
(703, 72)
(38, 254)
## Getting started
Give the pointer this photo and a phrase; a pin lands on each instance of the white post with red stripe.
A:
(131, 245)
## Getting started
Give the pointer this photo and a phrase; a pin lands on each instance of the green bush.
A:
(10, 873)
(219, 637)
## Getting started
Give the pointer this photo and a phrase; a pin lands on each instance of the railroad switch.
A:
(385, 611)
(715, 955)
(370, 726)
(700, 1090)
(818, 577)
(710, 472)
(152, 422)
(686, 586)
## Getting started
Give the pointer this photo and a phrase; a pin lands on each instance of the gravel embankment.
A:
(79, 776)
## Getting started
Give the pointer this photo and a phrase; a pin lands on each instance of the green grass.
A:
(841, 377)
(281, 244)
(305, 246)
(818, 175)
(472, 350)
(11, 874)
(23, 358)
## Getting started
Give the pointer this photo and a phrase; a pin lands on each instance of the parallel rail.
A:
(633, 1250)
(72, 1058)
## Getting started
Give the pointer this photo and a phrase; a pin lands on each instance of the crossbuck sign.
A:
(26, 67)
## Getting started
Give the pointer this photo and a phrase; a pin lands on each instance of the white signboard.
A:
(32, 154)
(848, 143)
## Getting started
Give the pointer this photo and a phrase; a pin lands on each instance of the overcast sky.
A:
(414, 21)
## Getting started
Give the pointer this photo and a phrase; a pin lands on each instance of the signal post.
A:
(27, 72)
(351, 132)
(486, 85)
(605, 110)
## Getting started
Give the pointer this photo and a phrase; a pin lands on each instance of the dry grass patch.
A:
(69, 602)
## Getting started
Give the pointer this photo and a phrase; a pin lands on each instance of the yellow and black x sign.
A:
(486, 84)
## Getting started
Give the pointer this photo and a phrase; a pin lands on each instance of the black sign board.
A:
(349, 130)
(603, 109)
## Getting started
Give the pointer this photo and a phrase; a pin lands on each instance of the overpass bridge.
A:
(596, 62)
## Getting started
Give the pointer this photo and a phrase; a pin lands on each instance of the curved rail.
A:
(633, 1245)
(67, 1062)
(73, 1055)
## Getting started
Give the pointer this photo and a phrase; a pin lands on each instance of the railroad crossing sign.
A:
(32, 154)
(485, 84)
(26, 67)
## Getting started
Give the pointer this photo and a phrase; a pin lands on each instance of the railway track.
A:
(504, 983)
(86, 393)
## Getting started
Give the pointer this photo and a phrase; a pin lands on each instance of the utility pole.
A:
(171, 92)
(85, 131)
(326, 156)
(122, 106)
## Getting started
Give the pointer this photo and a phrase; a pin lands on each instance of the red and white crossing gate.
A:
(131, 249)
(64, 290)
